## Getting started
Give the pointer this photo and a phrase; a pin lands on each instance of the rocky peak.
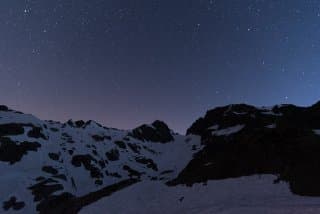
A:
(4, 108)
(158, 131)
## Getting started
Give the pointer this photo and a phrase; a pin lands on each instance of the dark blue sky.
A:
(124, 62)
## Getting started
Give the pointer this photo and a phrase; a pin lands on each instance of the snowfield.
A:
(245, 195)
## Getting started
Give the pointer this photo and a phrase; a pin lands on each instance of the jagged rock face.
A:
(243, 140)
(252, 117)
(158, 131)
(232, 115)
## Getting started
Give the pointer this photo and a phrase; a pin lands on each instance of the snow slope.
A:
(78, 158)
(249, 195)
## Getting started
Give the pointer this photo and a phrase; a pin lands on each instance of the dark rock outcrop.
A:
(50, 170)
(113, 155)
(54, 156)
(132, 172)
(4, 108)
(134, 147)
(13, 203)
(279, 141)
(158, 131)
(85, 160)
(12, 152)
(120, 144)
(11, 129)
(44, 189)
(36, 132)
(98, 138)
(67, 203)
(148, 162)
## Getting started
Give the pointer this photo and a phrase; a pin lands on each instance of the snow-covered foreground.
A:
(249, 195)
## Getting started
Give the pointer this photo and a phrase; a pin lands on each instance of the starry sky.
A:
(124, 62)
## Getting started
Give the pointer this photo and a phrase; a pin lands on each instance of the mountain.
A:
(236, 159)
(242, 140)
(53, 167)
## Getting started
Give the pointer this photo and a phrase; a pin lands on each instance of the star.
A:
(26, 11)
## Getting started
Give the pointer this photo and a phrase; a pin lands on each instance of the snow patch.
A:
(271, 126)
(215, 127)
(271, 113)
(228, 131)
(316, 131)
(240, 113)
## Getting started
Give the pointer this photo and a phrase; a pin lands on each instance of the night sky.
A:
(128, 62)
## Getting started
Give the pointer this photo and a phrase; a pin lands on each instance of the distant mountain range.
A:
(262, 159)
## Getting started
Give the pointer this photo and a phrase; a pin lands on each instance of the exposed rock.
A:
(36, 132)
(11, 129)
(98, 182)
(54, 156)
(134, 147)
(50, 170)
(54, 129)
(44, 189)
(114, 174)
(167, 172)
(132, 172)
(120, 144)
(149, 150)
(290, 149)
(67, 203)
(158, 131)
(148, 162)
(85, 160)
(4, 108)
(12, 152)
(79, 123)
(40, 178)
(102, 164)
(98, 138)
(61, 176)
(113, 155)
(13, 203)
(56, 204)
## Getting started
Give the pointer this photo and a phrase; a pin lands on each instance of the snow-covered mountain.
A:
(237, 158)
(45, 166)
